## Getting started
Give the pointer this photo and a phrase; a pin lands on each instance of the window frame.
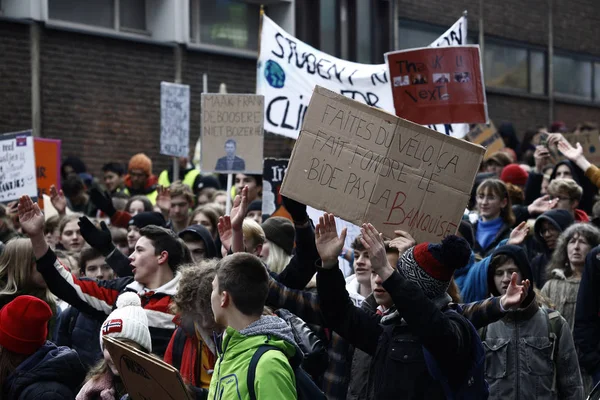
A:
(573, 98)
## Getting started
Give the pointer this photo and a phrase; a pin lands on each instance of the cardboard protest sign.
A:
(47, 166)
(590, 143)
(273, 173)
(145, 377)
(232, 133)
(174, 119)
(289, 69)
(365, 165)
(17, 166)
(487, 136)
(438, 85)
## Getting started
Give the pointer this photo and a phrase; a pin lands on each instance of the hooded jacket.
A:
(275, 378)
(79, 332)
(203, 234)
(51, 373)
(561, 220)
(521, 359)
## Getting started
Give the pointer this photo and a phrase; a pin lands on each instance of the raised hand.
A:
(329, 244)
(402, 242)
(58, 200)
(541, 205)
(297, 210)
(103, 202)
(374, 244)
(541, 157)
(515, 294)
(163, 199)
(574, 154)
(239, 210)
(31, 218)
(225, 231)
(100, 239)
(519, 234)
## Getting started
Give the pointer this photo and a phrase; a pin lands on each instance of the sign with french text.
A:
(438, 85)
(17, 166)
(174, 119)
(289, 69)
(487, 136)
(365, 165)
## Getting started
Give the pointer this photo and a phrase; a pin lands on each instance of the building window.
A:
(537, 72)
(225, 23)
(572, 77)
(514, 68)
(111, 14)
(364, 42)
(597, 82)
(328, 23)
(410, 37)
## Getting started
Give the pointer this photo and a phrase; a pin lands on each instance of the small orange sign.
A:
(47, 165)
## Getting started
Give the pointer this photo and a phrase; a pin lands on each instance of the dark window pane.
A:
(133, 14)
(597, 82)
(410, 37)
(229, 23)
(89, 12)
(505, 67)
(537, 72)
(364, 41)
(328, 24)
(572, 77)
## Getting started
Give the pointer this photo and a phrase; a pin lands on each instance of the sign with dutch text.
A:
(17, 166)
(174, 119)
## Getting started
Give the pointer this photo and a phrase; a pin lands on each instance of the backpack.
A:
(475, 385)
(553, 319)
(178, 345)
(305, 387)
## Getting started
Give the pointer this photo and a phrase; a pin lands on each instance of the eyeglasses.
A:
(560, 198)
(482, 197)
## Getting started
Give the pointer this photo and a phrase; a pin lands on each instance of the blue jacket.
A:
(472, 279)
(79, 331)
(51, 373)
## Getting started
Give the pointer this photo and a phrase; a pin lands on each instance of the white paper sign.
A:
(17, 166)
(174, 119)
(289, 69)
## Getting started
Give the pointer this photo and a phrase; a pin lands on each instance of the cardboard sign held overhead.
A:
(17, 166)
(487, 136)
(174, 119)
(590, 143)
(145, 377)
(438, 85)
(47, 165)
(232, 133)
(365, 165)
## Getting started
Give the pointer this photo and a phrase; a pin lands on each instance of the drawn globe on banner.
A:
(274, 74)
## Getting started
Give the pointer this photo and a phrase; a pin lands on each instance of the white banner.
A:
(289, 69)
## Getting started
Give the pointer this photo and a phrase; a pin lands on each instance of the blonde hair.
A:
(278, 259)
(180, 189)
(253, 233)
(567, 186)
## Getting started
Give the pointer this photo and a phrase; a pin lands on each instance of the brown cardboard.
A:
(144, 376)
(232, 116)
(487, 136)
(590, 143)
(365, 165)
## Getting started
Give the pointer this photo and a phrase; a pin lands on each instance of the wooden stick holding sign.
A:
(145, 377)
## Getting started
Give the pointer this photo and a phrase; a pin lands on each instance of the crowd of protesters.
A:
(249, 306)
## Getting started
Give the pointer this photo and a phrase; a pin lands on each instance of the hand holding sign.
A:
(329, 244)
(402, 242)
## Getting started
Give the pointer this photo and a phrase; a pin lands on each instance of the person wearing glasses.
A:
(568, 193)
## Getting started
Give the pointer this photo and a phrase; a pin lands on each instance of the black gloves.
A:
(100, 239)
(103, 202)
(296, 210)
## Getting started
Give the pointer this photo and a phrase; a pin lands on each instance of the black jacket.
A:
(587, 318)
(52, 373)
(398, 367)
(79, 331)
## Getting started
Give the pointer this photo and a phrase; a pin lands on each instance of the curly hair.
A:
(193, 295)
(560, 258)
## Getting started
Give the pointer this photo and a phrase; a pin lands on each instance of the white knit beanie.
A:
(128, 321)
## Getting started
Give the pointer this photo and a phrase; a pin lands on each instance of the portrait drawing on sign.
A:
(418, 79)
(230, 162)
(462, 77)
(441, 78)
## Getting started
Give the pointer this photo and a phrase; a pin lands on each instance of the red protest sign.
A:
(438, 85)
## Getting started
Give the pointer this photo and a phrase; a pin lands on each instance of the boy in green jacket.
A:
(238, 298)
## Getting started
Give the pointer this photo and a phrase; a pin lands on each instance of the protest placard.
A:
(365, 165)
(487, 136)
(47, 166)
(232, 133)
(17, 166)
(590, 143)
(438, 85)
(174, 119)
(289, 69)
(273, 174)
(145, 377)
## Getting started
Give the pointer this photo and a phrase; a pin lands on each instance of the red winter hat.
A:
(24, 324)
(514, 174)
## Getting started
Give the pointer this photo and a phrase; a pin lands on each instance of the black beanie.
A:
(281, 232)
(148, 218)
(256, 205)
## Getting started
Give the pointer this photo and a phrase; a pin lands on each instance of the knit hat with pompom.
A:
(128, 321)
(431, 266)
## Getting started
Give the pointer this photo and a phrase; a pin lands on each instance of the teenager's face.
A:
(109, 362)
(144, 262)
(489, 204)
(577, 249)
(133, 234)
(136, 207)
(221, 200)
(112, 181)
(382, 297)
(180, 209)
(362, 267)
(564, 201)
(264, 252)
(196, 247)
(255, 215)
(550, 234)
(563, 172)
(98, 269)
(502, 275)
(254, 189)
(201, 219)
(216, 302)
(71, 237)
